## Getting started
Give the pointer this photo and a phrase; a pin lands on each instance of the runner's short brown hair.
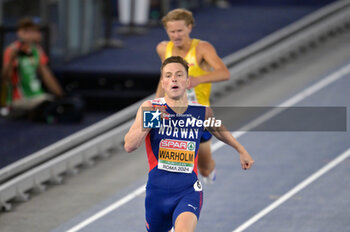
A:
(175, 59)
(178, 14)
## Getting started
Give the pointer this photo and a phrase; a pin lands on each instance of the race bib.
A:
(176, 155)
(197, 186)
(191, 95)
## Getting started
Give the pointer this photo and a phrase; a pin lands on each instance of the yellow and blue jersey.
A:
(200, 93)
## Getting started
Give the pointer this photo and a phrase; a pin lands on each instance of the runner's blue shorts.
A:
(163, 207)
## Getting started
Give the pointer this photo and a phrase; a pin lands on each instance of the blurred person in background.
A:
(220, 3)
(205, 67)
(23, 61)
(133, 16)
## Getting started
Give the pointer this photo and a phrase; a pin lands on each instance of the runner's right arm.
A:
(161, 47)
(136, 134)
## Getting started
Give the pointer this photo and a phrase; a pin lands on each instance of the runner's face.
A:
(174, 80)
(178, 32)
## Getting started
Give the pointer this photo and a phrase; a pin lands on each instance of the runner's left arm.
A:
(136, 134)
(219, 70)
(222, 134)
(161, 53)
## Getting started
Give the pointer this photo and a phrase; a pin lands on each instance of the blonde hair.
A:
(178, 14)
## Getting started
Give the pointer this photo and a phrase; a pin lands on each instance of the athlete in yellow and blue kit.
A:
(174, 194)
(205, 67)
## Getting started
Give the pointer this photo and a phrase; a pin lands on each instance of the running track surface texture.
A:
(299, 181)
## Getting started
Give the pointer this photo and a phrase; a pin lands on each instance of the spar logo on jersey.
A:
(191, 146)
(151, 118)
(178, 144)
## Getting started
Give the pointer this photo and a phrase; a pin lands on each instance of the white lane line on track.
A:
(290, 102)
(110, 208)
(294, 190)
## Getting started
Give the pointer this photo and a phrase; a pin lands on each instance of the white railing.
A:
(68, 162)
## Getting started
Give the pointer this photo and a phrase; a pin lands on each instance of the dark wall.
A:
(281, 2)
(13, 10)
